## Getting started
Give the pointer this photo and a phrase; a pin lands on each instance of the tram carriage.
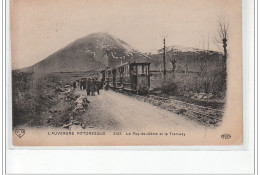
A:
(130, 76)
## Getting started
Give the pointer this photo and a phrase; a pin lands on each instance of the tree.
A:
(223, 37)
(172, 56)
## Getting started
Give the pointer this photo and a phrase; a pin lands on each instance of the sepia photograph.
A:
(126, 73)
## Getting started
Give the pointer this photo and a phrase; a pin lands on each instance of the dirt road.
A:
(112, 110)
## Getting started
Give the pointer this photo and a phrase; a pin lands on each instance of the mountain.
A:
(186, 59)
(100, 50)
(92, 52)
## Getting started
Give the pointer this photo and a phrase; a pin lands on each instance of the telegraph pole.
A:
(106, 55)
(164, 55)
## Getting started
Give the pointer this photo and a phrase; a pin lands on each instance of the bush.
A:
(169, 86)
(32, 95)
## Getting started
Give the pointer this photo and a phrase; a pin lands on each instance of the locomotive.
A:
(133, 77)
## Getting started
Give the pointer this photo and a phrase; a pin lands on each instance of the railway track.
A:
(204, 115)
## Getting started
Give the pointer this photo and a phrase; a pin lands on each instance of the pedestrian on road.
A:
(88, 86)
(98, 85)
(81, 85)
(84, 84)
(106, 84)
(93, 86)
(74, 85)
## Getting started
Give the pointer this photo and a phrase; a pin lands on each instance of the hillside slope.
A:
(92, 52)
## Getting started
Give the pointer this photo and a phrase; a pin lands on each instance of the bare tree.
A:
(223, 37)
(172, 56)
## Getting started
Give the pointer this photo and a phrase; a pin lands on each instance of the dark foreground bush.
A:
(32, 95)
(169, 87)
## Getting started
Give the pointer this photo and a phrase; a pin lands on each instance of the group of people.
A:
(91, 85)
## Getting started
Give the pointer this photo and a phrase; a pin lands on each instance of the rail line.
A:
(202, 114)
(206, 108)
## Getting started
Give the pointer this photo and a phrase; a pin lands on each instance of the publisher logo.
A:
(225, 136)
(20, 132)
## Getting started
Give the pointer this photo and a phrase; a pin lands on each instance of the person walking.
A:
(98, 86)
(74, 85)
(88, 86)
(106, 84)
(84, 84)
(81, 85)
(93, 86)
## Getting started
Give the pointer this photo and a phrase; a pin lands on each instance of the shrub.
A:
(169, 86)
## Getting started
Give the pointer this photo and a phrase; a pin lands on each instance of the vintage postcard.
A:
(126, 72)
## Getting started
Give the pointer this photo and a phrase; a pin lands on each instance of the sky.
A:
(41, 27)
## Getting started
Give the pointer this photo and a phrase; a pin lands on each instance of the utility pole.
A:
(106, 55)
(164, 55)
